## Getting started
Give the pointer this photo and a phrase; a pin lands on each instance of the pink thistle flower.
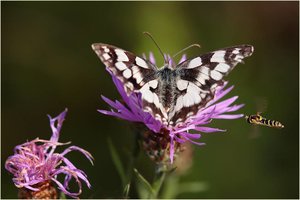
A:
(35, 163)
(132, 110)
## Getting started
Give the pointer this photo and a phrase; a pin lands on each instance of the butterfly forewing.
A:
(132, 70)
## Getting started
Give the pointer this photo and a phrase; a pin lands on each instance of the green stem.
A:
(135, 152)
(160, 175)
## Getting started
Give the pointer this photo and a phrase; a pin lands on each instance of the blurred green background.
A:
(48, 64)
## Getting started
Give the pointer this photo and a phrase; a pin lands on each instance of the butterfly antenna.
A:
(151, 37)
(186, 48)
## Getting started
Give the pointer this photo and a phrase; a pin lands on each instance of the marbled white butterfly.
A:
(172, 94)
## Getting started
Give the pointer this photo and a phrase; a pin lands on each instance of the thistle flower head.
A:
(36, 162)
(132, 110)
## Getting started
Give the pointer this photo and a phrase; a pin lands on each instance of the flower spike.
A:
(35, 165)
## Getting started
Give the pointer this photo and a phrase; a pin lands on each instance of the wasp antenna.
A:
(186, 48)
(151, 37)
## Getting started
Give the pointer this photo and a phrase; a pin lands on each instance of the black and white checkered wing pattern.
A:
(132, 70)
(200, 76)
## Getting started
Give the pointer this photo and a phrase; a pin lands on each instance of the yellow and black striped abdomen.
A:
(271, 123)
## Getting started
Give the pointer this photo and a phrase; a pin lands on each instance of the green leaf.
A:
(170, 189)
(145, 189)
(126, 191)
(62, 195)
(142, 191)
(158, 182)
(117, 161)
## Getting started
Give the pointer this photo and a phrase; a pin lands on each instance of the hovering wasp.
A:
(259, 120)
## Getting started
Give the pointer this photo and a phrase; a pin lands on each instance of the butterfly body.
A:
(167, 82)
(172, 94)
